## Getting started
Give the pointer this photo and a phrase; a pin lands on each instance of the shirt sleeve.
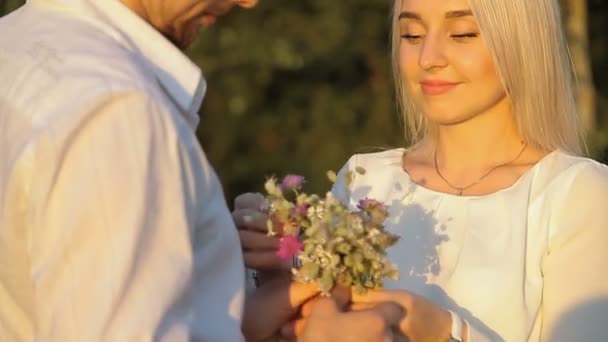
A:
(130, 237)
(575, 292)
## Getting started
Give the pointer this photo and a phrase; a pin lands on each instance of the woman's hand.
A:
(326, 323)
(259, 249)
(423, 321)
(275, 303)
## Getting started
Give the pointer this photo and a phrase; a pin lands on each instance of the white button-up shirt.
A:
(113, 225)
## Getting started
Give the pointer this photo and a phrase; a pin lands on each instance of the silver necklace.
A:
(460, 190)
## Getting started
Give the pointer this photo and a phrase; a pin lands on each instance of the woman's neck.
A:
(486, 140)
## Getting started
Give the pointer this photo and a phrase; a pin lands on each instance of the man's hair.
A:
(528, 46)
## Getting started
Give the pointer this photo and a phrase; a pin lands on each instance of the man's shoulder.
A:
(59, 49)
(59, 69)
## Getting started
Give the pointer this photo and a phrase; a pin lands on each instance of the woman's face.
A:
(445, 66)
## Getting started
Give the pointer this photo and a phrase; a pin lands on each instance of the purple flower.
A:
(289, 246)
(375, 211)
(292, 182)
(369, 204)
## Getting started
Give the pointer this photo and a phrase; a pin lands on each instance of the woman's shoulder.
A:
(376, 160)
(564, 179)
(565, 168)
(369, 175)
(575, 198)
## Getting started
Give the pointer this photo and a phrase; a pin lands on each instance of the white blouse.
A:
(526, 263)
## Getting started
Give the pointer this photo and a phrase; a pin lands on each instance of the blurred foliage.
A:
(299, 86)
(598, 19)
(9, 5)
(296, 87)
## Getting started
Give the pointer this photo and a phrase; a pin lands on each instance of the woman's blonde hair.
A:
(528, 46)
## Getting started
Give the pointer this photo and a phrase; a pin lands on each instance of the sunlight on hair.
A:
(529, 49)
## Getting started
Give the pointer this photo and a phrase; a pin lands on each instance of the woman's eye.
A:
(411, 37)
(465, 36)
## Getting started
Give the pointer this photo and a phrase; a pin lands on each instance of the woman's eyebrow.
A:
(448, 15)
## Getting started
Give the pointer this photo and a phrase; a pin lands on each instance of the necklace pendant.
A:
(460, 190)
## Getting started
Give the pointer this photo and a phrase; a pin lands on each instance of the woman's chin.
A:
(446, 118)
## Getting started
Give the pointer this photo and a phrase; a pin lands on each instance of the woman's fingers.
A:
(340, 295)
(298, 326)
(377, 296)
(390, 313)
(360, 306)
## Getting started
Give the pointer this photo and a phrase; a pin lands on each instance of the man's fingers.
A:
(250, 219)
(265, 260)
(250, 200)
(288, 331)
(258, 241)
(283, 299)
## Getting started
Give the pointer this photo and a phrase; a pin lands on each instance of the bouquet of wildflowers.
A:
(329, 244)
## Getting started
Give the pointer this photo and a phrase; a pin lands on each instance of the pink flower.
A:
(302, 209)
(289, 246)
(292, 182)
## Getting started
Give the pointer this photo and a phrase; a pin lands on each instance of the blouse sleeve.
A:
(343, 185)
(575, 292)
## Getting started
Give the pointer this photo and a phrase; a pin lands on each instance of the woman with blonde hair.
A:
(503, 224)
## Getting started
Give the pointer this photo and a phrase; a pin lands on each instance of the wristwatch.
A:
(457, 323)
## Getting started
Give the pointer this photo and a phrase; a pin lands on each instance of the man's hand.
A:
(273, 305)
(259, 249)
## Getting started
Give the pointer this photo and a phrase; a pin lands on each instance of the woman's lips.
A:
(437, 87)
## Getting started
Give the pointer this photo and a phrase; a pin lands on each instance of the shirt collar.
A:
(178, 75)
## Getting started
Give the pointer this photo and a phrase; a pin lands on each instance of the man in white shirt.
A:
(113, 225)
